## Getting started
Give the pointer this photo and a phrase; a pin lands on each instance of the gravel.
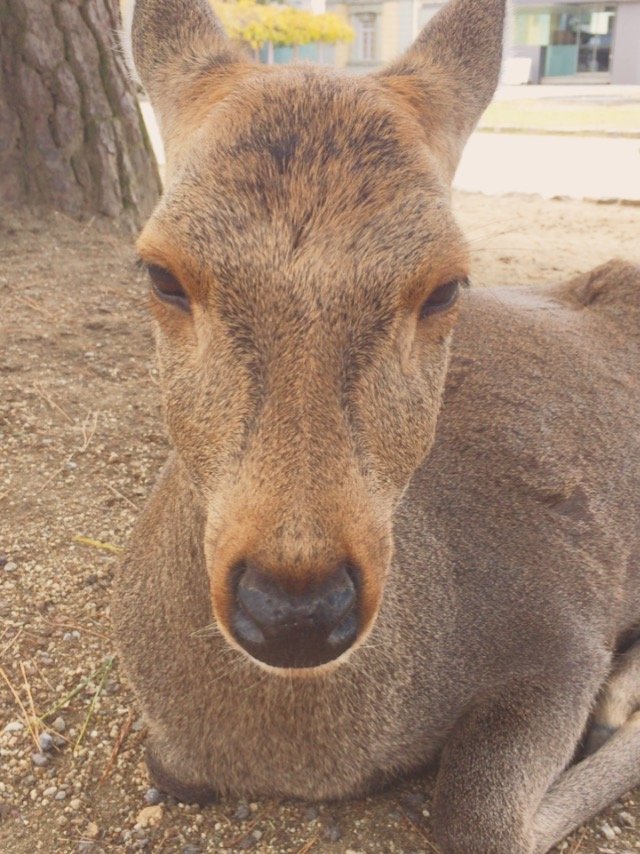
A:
(332, 832)
(242, 812)
(153, 796)
(46, 741)
(59, 725)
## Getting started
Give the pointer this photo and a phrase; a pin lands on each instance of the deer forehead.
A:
(306, 178)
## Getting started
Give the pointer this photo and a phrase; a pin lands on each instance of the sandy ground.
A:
(81, 440)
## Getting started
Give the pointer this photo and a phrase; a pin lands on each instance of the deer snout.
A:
(293, 629)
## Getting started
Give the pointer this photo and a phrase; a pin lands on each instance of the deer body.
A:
(380, 542)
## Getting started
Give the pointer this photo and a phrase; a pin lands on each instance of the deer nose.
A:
(301, 629)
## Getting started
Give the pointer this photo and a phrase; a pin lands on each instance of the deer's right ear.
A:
(449, 74)
(177, 49)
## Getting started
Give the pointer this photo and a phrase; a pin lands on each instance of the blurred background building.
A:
(559, 42)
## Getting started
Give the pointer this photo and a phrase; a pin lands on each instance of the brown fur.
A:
(494, 517)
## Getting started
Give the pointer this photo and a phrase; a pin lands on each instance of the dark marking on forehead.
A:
(304, 139)
(313, 171)
(282, 150)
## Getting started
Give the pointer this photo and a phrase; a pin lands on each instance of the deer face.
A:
(304, 269)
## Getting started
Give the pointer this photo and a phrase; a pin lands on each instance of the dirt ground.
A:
(81, 441)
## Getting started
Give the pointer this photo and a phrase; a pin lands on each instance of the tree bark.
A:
(72, 136)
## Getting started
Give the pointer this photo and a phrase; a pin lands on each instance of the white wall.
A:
(626, 49)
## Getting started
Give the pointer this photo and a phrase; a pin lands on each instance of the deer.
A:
(398, 526)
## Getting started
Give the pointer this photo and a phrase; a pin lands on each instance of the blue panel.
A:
(562, 60)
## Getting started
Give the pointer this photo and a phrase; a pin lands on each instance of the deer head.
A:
(305, 270)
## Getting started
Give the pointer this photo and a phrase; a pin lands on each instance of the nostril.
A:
(306, 627)
(344, 634)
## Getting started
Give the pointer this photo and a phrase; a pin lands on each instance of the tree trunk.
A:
(71, 132)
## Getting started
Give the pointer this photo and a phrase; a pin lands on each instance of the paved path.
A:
(548, 165)
(598, 93)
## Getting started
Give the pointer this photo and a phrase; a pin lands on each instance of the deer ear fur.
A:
(176, 49)
(449, 74)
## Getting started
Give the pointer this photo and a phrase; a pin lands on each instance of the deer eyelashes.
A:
(167, 288)
(442, 299)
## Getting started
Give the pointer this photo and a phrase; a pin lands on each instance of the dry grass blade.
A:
(105, 672)
(96, 544)
(34, 305)
(55, 474)
(13, 640)
(68, 697)
(120, 495)
(121, 738)
(308, 845)
(577, 845)
(89, 426)
(421, 831)
(247, 831)
(16, 697)
(40, 392)
(78, 627)
(35, 720)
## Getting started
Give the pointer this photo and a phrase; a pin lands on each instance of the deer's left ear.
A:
(449, 74)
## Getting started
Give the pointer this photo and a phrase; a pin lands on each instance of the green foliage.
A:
(255, 24)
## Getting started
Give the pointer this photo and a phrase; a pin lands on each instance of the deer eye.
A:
(167, 288)
(441, 299)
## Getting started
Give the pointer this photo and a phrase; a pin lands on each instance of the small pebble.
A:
(257, 835)
(75, 804)
(14, 726)
(138, 725)
(45, 741)
(59, 725)
(49, 792)
(85, 846)
(190, 849)
(608, 832)
(39, 759)
(4, 559)
(332, 833)
(10, 566)
(242, 812)
(61, 795)
(153, 796)
(92, 830)
(149, 816)
(414, 800)
(627, 819)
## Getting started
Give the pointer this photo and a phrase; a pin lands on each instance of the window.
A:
(366, 37)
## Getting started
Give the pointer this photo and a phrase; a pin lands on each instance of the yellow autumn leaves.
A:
(255, 25)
